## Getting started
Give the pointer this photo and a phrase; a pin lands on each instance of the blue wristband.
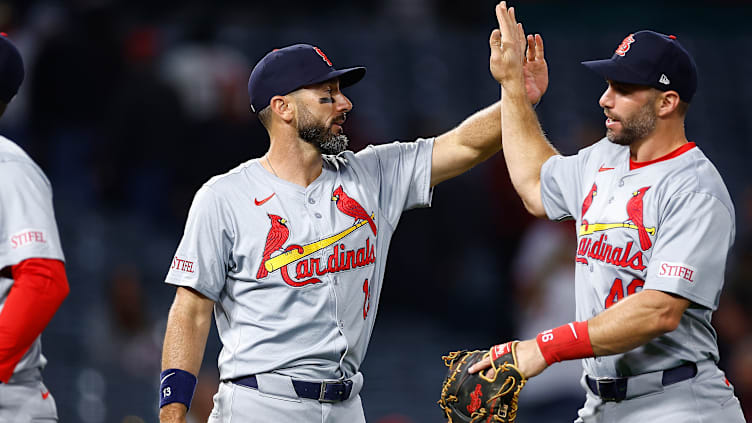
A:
(176, 385)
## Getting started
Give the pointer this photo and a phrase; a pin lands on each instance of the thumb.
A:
(495, 40)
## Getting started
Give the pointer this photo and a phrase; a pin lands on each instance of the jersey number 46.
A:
(617, 290)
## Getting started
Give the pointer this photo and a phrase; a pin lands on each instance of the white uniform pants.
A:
(705, 398)
(26, 402)
(274, 402)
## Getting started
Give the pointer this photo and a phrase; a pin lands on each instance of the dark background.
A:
(130, 106)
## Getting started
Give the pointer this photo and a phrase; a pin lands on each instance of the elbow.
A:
(668, 323)
(667, 319)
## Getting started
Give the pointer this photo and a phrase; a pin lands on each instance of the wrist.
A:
(566, 342)
(173, 413)
(176, 386)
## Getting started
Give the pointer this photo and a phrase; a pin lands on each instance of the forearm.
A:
(39, 287)
(185, 340)
(474, 140)
(635, 321)
(525, 146)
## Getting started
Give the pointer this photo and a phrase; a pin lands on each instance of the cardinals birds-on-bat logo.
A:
(275, 239)
(352, 208)
(634, 211)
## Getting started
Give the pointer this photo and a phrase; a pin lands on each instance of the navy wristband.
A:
(176, 385)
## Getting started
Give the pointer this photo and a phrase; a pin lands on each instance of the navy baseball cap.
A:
(11, 69)
(284, 70)
(652, 59)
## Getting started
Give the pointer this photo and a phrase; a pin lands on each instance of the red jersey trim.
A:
(678, 152)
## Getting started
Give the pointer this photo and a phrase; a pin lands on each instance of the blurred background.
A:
(130, 106)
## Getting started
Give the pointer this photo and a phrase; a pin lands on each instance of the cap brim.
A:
(609, 69)
(346, 77)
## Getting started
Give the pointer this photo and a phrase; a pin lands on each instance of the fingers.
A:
(530, 48)
(506, 22)
(495, 39)
(539, 46)
(481, 365)
(521, 38)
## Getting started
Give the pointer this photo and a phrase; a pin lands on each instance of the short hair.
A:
(682, 108)
(265, 116)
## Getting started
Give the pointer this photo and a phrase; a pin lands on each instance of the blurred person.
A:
(741, 368)
(289, 249)
(655, 223)
(543, 280)
(33, 283)
(124, 343)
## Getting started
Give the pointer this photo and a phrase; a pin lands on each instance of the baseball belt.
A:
(324, 391)
(621, 388)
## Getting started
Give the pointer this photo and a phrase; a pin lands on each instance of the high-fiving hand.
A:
(510, 64)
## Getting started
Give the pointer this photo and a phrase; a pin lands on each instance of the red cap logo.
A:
(624, 46)
(323, 56)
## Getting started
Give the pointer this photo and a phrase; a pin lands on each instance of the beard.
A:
(319, 135)
(635, 127)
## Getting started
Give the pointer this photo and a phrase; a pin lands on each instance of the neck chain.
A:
(271, 167)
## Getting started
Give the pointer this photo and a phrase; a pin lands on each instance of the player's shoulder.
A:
(694, 172)
(14, 160)
(240, 175)
(11, 152)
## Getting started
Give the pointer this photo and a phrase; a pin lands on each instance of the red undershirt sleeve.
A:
(39, 287)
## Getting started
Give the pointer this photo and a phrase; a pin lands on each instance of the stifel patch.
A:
(668, 269)
(184, 265)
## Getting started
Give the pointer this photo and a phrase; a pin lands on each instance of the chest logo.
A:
(259, 203)
(275, 239)
(352, 208)
(306, 268)
(601, 250)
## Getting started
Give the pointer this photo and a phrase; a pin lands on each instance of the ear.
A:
(283, 107)
(668, 102)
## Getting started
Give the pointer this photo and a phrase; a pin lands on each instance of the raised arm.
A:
(525, 146)
(479, 136)
(185, 340)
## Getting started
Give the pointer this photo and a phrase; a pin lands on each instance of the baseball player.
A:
(32, 280)
(289, 249)
(654, 224)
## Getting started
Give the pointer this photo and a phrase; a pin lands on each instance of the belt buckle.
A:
(609, 382)
(322, 392)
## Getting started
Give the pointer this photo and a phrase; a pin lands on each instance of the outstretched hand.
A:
(509, 63)
(530, 361)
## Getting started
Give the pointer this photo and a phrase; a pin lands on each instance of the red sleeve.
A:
(39, 287)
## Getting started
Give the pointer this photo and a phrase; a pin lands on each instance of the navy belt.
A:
(321, 391)
(615, 389)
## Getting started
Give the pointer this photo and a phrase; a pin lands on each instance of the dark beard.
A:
(636, 127)
(325, 141)
(320, 136)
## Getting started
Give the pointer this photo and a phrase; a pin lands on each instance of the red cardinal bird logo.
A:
(350, 207)
(275, 239)
(589, 199)
(634, 211)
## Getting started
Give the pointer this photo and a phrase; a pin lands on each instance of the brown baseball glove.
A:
(488, 395)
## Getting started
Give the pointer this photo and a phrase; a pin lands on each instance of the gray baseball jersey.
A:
(27, 225)
(667, 225)
(296, 272)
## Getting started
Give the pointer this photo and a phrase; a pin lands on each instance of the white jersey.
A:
(666, 225)
(296, 272)
(27, 225)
